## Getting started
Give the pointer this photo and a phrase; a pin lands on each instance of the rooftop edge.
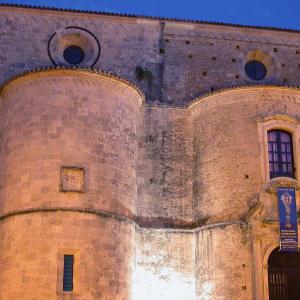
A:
(52, 8)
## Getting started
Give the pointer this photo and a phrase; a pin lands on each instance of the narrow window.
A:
(280, 148)
(68, 273)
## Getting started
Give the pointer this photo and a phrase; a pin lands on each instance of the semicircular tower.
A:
(68, 184)
(233, 187)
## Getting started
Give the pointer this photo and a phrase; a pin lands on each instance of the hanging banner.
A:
(288, 220)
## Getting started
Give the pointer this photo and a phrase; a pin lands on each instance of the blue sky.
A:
(276, 13)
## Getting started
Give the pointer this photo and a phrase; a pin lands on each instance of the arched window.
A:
(280, 148)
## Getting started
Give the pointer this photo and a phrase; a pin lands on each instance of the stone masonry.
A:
(146, 161)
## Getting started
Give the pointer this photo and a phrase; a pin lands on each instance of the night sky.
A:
(275, 13)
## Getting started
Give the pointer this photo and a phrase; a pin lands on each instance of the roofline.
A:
(162, 19)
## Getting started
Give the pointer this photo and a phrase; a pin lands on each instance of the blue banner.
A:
(288, 220)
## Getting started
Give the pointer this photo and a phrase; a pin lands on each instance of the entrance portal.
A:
(284, 275)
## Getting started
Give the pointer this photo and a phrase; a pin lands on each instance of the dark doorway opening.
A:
(284, 275)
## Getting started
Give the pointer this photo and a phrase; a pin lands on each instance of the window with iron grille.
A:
(68, 273)
(280, 148)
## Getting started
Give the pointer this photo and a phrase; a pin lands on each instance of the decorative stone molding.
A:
(42, 73)
(237, 94)
(278, 117)
(266, 59)
(277, 121)
(256, 212)
(269, 247)
(275, 183)
(72, 179)
(74, 36)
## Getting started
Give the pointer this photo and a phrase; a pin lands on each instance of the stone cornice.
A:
(278, 117)
(133, 220)
(272, 186)
(206, 99)
(69, 71)
(241, 93)
(96, 73)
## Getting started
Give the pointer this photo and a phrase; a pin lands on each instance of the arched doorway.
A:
(284, 275)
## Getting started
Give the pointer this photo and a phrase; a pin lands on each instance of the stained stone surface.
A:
(72, 179)
(159, 190)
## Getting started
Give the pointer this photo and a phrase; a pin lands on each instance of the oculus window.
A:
(74, 55)
(280, 149)
(255, 70)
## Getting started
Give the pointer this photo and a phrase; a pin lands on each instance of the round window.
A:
(255, 70)
(73, 55)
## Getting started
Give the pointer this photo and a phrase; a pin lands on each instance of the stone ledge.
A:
(240, 88)
(64, 70)
(133, 220)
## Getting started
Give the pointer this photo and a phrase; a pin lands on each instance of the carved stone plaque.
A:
(72, 179)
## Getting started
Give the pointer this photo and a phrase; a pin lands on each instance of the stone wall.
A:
(68, 184)
(87, 121)
(185, 59)
(164, 265)
(223, 269)
(155, 200)
(125, 43)
(32, 249)
(227, 149)
(165, 170)
(203, 58)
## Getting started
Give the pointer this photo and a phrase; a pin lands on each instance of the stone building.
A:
(134, 156)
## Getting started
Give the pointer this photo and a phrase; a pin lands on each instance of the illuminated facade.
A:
(135, 155)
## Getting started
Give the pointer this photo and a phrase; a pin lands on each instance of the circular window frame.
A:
(73, 55)
(252, 67)
(269, 62)
(74, 36)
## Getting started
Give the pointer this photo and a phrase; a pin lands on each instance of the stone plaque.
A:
(72, 179)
